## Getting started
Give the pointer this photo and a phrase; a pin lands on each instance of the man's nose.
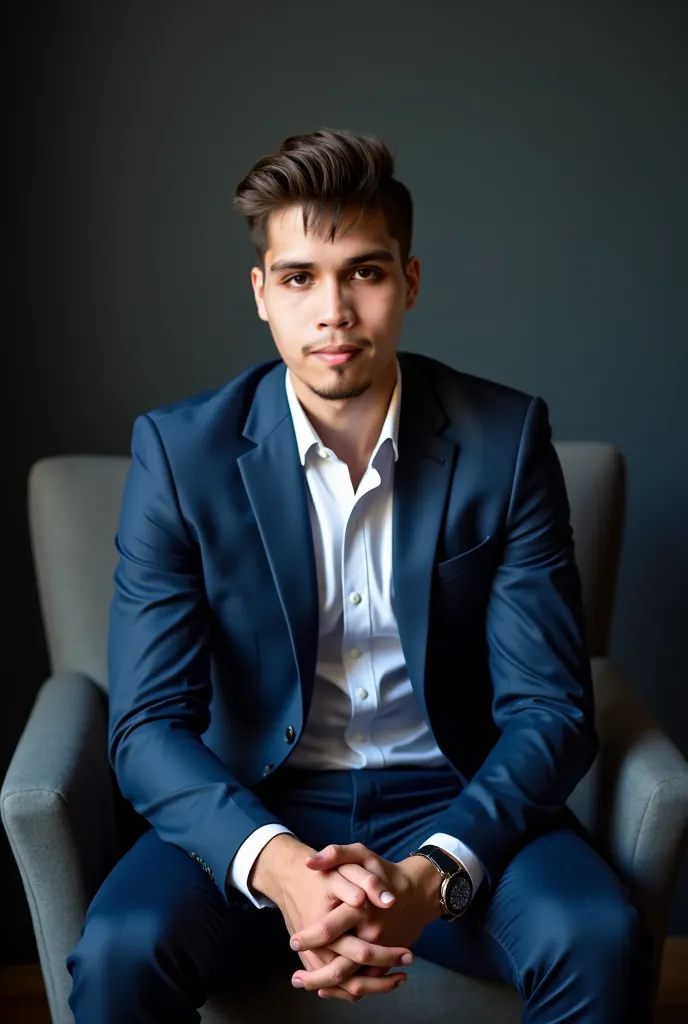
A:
(336, 310)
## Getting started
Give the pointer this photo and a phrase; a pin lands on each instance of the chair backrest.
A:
(595, 478)
(74, 503)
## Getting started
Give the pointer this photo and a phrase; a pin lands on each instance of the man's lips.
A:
(336, 355)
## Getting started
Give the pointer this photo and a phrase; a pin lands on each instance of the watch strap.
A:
(442, 861)
(447, 867)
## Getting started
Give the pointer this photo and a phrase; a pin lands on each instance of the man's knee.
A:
(604, 932)
(119, 948)
(608, 930)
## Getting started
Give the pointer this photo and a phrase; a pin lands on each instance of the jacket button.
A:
(268, 768)
(290, 735)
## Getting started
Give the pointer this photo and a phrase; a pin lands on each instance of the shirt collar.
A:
(307, 436)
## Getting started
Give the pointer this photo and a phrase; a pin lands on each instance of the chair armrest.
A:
(58, 810)
(634, 799)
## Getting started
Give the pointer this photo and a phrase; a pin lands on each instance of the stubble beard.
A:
(340, 391)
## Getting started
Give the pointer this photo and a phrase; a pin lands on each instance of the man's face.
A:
(350, 292)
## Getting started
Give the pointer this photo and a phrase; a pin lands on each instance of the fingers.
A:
(360, 986)
(374, 888)
(356, 863)
(340, 973)
(343, 888)
(312, 961)
(336, 972)
(369, 954)
(334, 855)
(327, 929)
(324, 966)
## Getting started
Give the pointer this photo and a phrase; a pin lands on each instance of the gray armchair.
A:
(67, 823)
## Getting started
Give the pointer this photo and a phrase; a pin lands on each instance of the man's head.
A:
(332, 230)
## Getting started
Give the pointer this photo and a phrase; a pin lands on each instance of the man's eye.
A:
(376, 274)
(370, 274)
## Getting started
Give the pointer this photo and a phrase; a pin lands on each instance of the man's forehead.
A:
(286, 232)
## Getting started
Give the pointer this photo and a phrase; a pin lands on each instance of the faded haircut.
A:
(326, 173)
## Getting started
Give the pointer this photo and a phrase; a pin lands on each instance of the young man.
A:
(347, 615)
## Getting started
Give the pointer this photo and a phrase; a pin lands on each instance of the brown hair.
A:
(323, 171)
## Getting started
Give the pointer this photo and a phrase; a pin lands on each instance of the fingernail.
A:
(295, 944)
(316, 856)
(401, 981)
(386, 896)
(297, 983)
(407, 958)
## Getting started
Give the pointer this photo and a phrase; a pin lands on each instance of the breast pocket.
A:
(473, 560)
(462, 589)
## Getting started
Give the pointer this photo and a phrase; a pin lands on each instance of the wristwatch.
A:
(456, 887)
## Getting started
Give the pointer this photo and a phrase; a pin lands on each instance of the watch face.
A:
(458, 893)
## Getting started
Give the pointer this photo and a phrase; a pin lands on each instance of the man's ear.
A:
(257, 283)
(412, 281)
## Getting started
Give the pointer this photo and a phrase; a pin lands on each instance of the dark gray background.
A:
(545, 145)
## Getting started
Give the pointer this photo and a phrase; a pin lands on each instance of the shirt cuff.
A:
(459, 851)
(245, 857)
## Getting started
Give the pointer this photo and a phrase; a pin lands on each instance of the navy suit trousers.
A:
(559, 927)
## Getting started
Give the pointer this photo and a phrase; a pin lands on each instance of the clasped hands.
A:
(353, 915)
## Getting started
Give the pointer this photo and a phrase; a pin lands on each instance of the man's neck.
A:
(351, 428)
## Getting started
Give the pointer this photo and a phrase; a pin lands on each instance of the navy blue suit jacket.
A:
(214, 620)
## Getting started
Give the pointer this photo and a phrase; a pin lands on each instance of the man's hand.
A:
(416, 884)
(307, 898)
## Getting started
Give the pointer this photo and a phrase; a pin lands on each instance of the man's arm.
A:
(241, 868)
(460, 852)
(540, 668)
(159, 676)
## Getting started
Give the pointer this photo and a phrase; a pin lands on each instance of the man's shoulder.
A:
(204, 414)
(463, 394)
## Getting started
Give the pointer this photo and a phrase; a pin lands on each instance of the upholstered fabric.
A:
(66, 822)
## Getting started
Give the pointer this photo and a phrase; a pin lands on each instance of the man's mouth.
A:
(335, 355)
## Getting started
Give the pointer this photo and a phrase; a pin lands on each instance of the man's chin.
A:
(339, 391)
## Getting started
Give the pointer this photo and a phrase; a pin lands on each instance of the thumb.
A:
(357, 864)
(333, 855)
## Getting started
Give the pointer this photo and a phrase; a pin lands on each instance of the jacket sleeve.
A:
(158, 667)
(540, 668)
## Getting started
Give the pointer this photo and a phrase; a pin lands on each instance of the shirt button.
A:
(358, 737)
(355, 598)
(361, 693)
(289, 734)
(268, 768)
(354, 653)
(323, 452)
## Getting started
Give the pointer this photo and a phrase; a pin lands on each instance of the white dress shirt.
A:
(363, 712)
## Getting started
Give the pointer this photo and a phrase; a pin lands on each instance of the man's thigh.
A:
(158, 905)
(557, 896)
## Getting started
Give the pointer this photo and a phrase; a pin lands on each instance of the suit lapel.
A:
(276, 486)
(421, 480)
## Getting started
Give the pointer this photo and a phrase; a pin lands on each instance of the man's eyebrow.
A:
(380, 255)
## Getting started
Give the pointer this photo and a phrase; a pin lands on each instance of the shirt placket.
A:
(357, 640)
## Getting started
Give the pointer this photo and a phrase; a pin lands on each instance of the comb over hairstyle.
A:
(326, 173)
